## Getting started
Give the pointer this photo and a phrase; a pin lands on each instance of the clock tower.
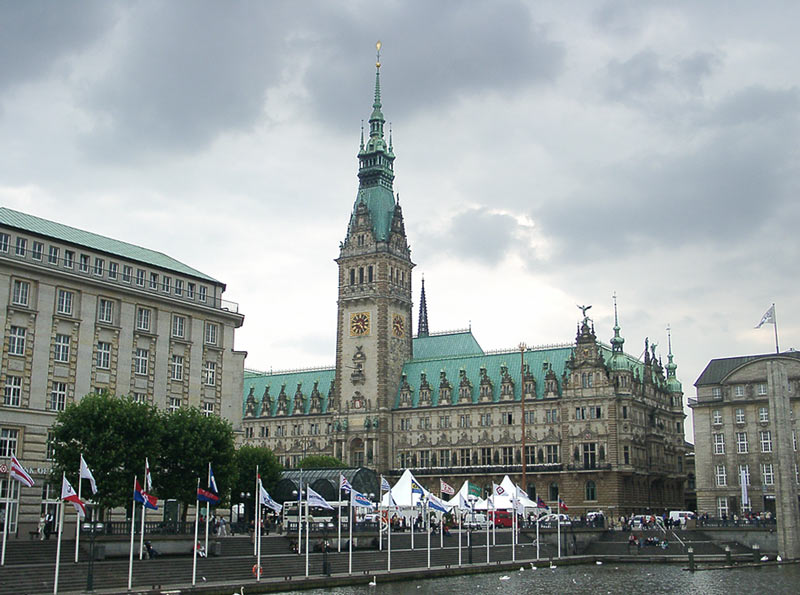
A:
(374, 306)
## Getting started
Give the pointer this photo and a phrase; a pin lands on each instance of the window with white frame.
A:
(8, 442)
(64, 303)
(166, 283)
(211, 333)
(12, 391)
(140, 277)
(139, 398)
(722, 506)
(143, 319)
(21, 247)
(190, 290)
(83, 263)
(127, 272)
(767, 474)
(210, 373)
(744, 475)
(202, 293)
(739, 413)
(761, 389)
(176, 367)
(153, 280)
(738, 390)
(741, 442)
(716, 417)
(551, 453)
(178, 326)
(208, 409)
(174, 404)
(763, 414)
(178, 286)
(99, 266)
(4, 240)
(716, 391)
(106, 311)
(50, 453)
(103, 355)
(766, 440)
(16, 340)
(53, 254)
(69, 259)
(61, 348)
(21, 293)
(58, 396)
(37, 250)
(140, 361)
(113, 270)
(719, 444)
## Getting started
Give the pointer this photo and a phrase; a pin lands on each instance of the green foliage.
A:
(247, 459)
(321, 462)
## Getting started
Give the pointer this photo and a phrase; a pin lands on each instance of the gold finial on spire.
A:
(378, 47)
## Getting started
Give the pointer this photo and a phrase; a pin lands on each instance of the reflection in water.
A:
(632, 579)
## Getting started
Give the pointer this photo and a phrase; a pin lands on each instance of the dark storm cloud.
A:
(36, 36)
(458, 48)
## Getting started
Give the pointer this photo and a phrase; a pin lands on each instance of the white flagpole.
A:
(133, 528)
(78, 522)
(538, 516)
(513, 532)
(558, 521)
(413, 521)
(194, 545)
(257, 527)
(339, 518)
(300, 516)
(494, 524)
(58, 547)
(458, 511)
(487, 538)
(257, 516)
(350, 542)
(427, 525)
(441, 530)
(144, 513)
(208, 506)
(389, 535)
(8, 509)
(308, 529)
(775, 324)
(380, 520)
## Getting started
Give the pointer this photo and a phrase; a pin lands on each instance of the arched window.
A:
(591, 491)
(553, 492)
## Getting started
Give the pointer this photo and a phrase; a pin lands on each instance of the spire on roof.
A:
(673, 383)
(616, 341)
(422, 327)
(377, 115)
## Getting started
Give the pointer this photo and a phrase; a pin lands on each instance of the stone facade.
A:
(89, 314)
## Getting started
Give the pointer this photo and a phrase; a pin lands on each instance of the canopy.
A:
(503, 501)
(401, 491)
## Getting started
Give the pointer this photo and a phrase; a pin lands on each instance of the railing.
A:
(737, 524)
(150, 527)
(489, 468)
(595, 467)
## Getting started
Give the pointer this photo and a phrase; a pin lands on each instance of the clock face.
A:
(359, 324)
(398, 326)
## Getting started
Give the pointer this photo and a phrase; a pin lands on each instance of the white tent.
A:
(503, 501)
(464, 492)
(401, 492)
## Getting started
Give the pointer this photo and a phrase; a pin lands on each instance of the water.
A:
(630, 579)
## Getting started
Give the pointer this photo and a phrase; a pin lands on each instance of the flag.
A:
(212, 483)
(768, 318)
(360, 499)
(540, 503)
(561, 504)
(148, 481)
(314, 499)
(462, 502)
(474, 490)
(139, 495)
(344, 484)
(392, 501)
(385, 487)
(416, 488)
(86, 473)
(436, 504)
(19, 473)
(446, 488)
(68, 494)
(499, 490)
(207, 496)
(521, 493)
(267, 500)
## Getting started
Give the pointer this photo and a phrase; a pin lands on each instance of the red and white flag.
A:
(19, 473)
(68, 494)
(446, 488)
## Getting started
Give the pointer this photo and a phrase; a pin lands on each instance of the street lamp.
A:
(326, 569)
(244, 498)
(91, 527)
(522, 348)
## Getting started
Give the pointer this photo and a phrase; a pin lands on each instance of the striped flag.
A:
(446, 488)
(19, 473)
(344, 484)
(68, 494)
(385, 487)
(561, 504)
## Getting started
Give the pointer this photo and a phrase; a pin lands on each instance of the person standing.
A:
(223, 527)
(41, 525)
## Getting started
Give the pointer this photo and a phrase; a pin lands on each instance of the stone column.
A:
(785, 488)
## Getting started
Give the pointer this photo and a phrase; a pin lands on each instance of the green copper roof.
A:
(446, 345)
(380, 203)
(93, 241)
(287, 381)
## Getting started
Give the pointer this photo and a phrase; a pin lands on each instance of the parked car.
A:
(681, 516)
(476, 520)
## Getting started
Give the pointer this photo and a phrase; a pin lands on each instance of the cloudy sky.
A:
(548, 154)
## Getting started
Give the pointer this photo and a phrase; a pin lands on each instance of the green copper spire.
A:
(673, 383)
(616, 341)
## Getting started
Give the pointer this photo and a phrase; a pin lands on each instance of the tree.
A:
(189, 442)
(321, 462)
(115, 434)
(247, 458)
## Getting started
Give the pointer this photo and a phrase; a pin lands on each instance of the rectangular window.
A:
(8, 442)
(741, 443)
(766, 441)
(744, 475)
(106, 311)
(65, 300)
(143, 319)
(166, 284)
(99, 265)
(16, 341)
(83, 264)
(763, 414)
(176, 367)
(127, 271)
(761, 389)
(103, 355)
(767, 474)
(174, 404)
(721, 476)
(716, 392)
(21, 247)
(190, 290)
(210, 373)
(624, 412)
(38, 250)
(551, 452)
(140, 362)
(12, 392)
(580, 412)
(507, 454)
(486, 456)
(739, 415)
(140, 275)
(722, 506)
(51, 446)
(21, 294)
(208, 409)
(211, 333)
(58, 396)
(716, 417)
(153, 280)
(738, 390)
(202, 293)
(52, 255)
(113, 269)
(61, 348)
(178, 326)
(626, 455)
(69, 259)
(719, 444)
(178, 286)
(139, 398)
(4, 240)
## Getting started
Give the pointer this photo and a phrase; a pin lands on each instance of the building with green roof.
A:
(581, 420)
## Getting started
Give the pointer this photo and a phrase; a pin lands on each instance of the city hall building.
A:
(600, 428)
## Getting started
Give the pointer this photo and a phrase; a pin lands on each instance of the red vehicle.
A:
(501, 518)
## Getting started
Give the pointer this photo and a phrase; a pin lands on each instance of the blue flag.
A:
(212, 483)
